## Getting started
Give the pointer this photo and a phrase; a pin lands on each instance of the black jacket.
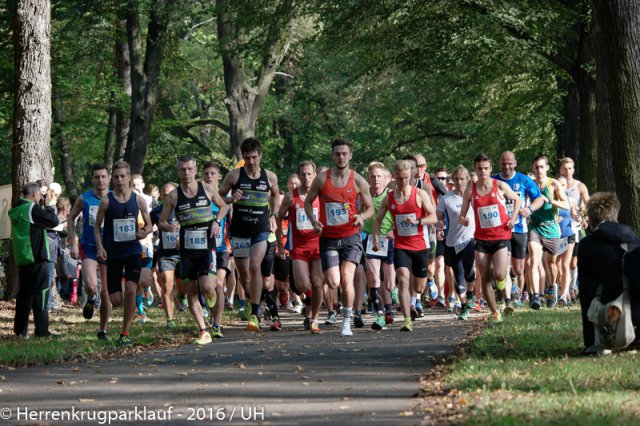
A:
(600, 262)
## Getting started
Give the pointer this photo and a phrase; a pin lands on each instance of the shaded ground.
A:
(285, 378)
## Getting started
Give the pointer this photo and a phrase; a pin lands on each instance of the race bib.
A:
(241, 247)
(406, 229)
(336, 214)
(170, 240)
(302, 220)
(195, 240)
(459, 247)
(124, 229)
(563, 245)
(93, 212)
(219, 238)
(489, 216)
(384, 247)
(509, 205)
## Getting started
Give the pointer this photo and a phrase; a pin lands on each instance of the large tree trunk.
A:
(63, 146)
(243, 100)
(145, 77)
(31, 149)
(568, 131)
(111, 138)
(619, 25)
(123, 73)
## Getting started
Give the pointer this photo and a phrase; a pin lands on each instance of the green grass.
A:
(527, 370)
(76, 338)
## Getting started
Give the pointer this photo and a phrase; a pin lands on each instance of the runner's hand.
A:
(358, 221)
(74, 252)
(464, 221)
(317, 226)
(102, 254)
(237, 195)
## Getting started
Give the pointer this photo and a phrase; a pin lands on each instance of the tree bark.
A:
(123, 74)
(31, 146)
(111, 139)
(619, 25)
(243, 100)
(63, 146)
(145, 77)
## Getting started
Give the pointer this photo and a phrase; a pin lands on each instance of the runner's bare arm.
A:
(466, 204)
(312, 194)
(377, 223)
(148, 226)
(168, 205)
(365, 201)
(510, 194)
(561, 201)
(71, 226)
(229, 180)
(102, 209)
(428, 208)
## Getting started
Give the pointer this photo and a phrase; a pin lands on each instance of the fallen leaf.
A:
(184, 374)
(60, 382)
(86, 400)
(406, 414)
(299, 369)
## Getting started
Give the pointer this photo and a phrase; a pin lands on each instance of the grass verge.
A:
(527, 370)
(76, 337)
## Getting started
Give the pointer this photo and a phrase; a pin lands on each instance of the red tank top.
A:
(338, 207)
(490, 214)
(303, 236)
(407, 237)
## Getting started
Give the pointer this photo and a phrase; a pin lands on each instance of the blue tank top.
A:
(120, 228)
(221, 244)
(525, 187)
(90, 205)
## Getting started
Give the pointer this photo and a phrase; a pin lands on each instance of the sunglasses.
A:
(422, 166)
(443, 178)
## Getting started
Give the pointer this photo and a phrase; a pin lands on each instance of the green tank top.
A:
(387, 221)
(543, 220)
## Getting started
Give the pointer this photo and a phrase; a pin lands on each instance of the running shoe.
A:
(551, 297)
(358, 322)
(140, 319)
(228, 306)
(457, 307)
(501, 305)
(124, 341)
(297, 308)
(253, 324)
(331, 318)
(379, 323)
(211, 301)
(102, 335)
(525, 297)
(394, 296)
(182, 304)
(148, 297)
(413, 312)
(495, 317)
(562, 302)
(346, 328)
(501, 285)
(244, 314)
(203, 338)
(407, 325)
(171, 325)
(433, 290)
(87, 311)
(451, 302)
(205, 312)
(283, 296)
(216, 331)
(419, 309)
(306, 323)
(440, 302)
(389, 318)
(276, 325)
(313, 328)
(508, 310)
(535, 303)
(464, 312)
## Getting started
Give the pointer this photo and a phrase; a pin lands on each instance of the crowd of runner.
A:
(332, 247)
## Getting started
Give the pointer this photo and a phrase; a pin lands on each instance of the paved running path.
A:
(281, 378)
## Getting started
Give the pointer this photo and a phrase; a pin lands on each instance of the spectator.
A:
(30, 216)
(600, 261)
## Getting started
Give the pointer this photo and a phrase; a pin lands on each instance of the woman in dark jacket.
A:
(600, 260)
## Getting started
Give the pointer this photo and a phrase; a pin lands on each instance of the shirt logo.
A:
(516, 187)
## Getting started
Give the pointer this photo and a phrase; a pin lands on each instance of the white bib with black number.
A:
(169, 240)
(93, 212)
(383, 243)
(219, 238)
(124, 229)
(406, 229)
(241, 247)
(195, 239)
(303, 222)
(336, 214)
(489, 216)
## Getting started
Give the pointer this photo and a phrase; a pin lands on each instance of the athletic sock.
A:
(356, 312)
(387, 307)
(140, 304)
(376, 300)
(413, 300)
(347, 312)
(272, 303)
(243, 303)
(255, 308)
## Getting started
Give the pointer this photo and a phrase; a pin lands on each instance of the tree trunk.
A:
(123, 74)
(568, 132)
(111, 139)
(31, 149)
(243, 101)
(145, 77)
(63, 146)
(586, 164)
(619, 25)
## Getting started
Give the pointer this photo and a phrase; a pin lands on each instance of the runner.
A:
(87, 204)
(121, 247)
(412, 210)
(197, 226)
(379, 177)
(565, 252)
(340, 223)
(459, 243)
(544, 232)
(493, 228)
(255, 196)
(526, 188)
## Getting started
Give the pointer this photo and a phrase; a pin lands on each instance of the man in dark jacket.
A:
(29, 221)
(600, 261)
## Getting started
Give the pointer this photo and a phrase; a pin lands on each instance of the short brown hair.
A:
(603, 207)
(340, 141)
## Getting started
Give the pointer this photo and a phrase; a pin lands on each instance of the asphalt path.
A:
(288, 377)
